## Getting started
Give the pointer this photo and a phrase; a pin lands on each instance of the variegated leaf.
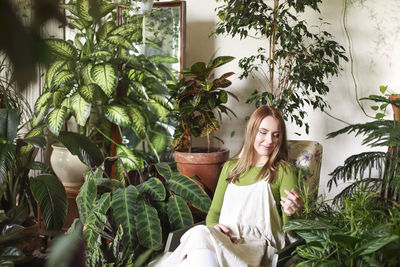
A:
(138, 121)
(51, 72)
(86, 73)
(118, 114)
(154, 188)
(81, 109)
(148, 225)
(42, 102)
(105, 75)
(86, 200)
(179, 213)
(55, 120)
(63, 77)
(62, 48)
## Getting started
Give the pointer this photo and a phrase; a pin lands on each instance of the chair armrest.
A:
(174, 237)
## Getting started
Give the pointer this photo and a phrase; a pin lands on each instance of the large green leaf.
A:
(165, 170)
(52, 70)
(138, 121)
(91, 92)
(119, 41)
(118, 114)
(42, 102)
(105, 75)
(123, 206)
(52, 199)
(81, 109)
(157, 59)
(154, 188)
(179, 213)
(131, 160)
(82, 7)
(376, 244)
(160, 138)
(219, 61)
(86, 200)
(9, 121)
(148, 225)
(62, 48)
(63, 77)
(304, 224)
(86, 73)
(190, 191)
(56, 118)
(81, 146)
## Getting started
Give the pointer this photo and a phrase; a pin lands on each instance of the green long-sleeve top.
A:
(285, 179)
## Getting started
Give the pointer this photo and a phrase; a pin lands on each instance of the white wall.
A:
(375, 31)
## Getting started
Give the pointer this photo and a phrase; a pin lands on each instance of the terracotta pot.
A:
(67, 167)
(395, 110)
(207, 166)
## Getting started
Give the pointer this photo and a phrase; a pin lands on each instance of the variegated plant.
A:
(98, 80)
(196, 98)
(122, 220)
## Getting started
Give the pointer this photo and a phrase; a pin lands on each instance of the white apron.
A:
(251, 214)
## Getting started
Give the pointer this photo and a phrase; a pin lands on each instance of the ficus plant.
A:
(196, 99)
(295, 61)
(124, 219)
(99, 78)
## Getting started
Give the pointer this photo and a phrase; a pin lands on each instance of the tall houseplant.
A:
(295, 62)
(98, 80)
(196, 99)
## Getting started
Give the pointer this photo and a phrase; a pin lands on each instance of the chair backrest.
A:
(307, 157)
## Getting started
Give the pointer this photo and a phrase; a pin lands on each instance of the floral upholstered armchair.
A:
(307, 157)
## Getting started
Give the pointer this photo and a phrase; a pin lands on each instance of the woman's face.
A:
(266, 140)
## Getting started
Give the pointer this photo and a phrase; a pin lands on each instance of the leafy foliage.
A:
(124, 219)
(296, 61)
(99, 79)
(195, 99)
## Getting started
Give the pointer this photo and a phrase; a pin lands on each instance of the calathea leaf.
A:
(154, 188)
(148, 225)
(190, 191)
(123, 206)
(52, 199)
(86, 199)
(179, 213)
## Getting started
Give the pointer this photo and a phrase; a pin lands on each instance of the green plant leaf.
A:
(190, 191)
(118, 114)
(42, 102)
(119, 41)
(9, 121)
(105, 75)
(81, 109)
(86, 73)
(55, 120)
(138, 121)
(157, 59)
(154, 188)
(82, 7)
(54, 68)
(376, 244)
(130, 158)
(62, 48)
(179, 213)
(148, 225)
(219, 61)
(81, 146)
(52, 200)
(63, 77)
(86, 200)
(123, 205)
(303, 224)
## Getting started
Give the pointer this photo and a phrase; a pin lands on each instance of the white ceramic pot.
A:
(68, 168)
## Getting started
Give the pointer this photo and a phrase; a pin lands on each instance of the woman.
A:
(244, 223)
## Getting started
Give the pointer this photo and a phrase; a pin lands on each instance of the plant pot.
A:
(395, 109)
(67, 167)
(207, 166)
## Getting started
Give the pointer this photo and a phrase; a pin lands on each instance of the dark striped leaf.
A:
(148, 225)
(154, 188)
(179, 213)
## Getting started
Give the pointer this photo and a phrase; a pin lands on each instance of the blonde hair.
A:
(247, 151)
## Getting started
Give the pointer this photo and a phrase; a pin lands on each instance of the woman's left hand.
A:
(292, 203)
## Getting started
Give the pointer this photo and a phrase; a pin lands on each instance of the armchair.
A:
(306, 156)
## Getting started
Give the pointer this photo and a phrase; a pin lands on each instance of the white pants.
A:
(200, 258)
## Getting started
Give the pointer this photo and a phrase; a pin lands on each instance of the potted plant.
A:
(196, 98)
(361, 226)
(124, 219)
(98, 81)
(296, 60)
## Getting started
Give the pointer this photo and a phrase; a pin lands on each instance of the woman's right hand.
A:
(225, 230)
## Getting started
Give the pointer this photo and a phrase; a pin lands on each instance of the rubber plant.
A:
(196, 98)
(295, 61)
(98, 80)
(122, 220)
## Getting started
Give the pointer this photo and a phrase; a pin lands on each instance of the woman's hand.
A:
(225, 230)
(292, 203)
